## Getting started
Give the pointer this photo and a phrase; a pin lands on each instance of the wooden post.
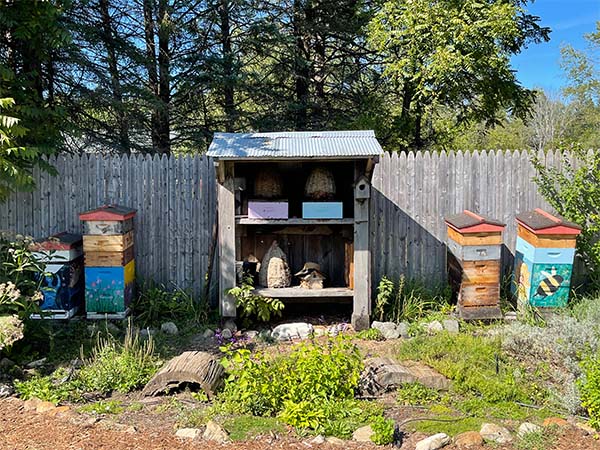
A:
(226, 212)
(362, 256)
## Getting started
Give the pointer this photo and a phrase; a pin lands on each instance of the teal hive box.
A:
(109, 290)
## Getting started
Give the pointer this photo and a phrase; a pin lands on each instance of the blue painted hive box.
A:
(322, 210)
(109, 290)
(544, 257)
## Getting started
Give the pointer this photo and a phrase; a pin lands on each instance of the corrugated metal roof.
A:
(295, 145)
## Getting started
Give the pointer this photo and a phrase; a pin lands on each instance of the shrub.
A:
(51, 388)
(371, 334)
(416, 394)
(385, 293)
(383, 430)
(103, 407)
(254, 307)
(589, 388)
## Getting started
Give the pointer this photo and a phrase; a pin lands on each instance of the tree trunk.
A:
(150, 63)
(301, 69)
(164, 71)
(115, 80)
(228, 87)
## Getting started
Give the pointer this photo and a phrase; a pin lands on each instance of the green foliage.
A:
(51, 388)
(574, 192)
(383, 430)
(589, 388)
(537, 440)
(157, 304)
(453, 426)
(254, 307)
(416, 394)
(243, 428)
(410, 299)
(372, 334)
(385, 292)
(103, 407)
(113, 366)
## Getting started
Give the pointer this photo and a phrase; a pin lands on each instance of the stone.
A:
(363, 434)
(490, 432)
(188, 433)
(434, 327)
(230, 325)
(383, 374)
(555, 421)
(528, 427)
(402, 328)
(265, 334)
(59, 410)
(36, 364)
(147, 332)
(468, 439)
(6, 390)
(215, 432)
(6, 363)
(388, 329)
(208, 334)
(510, 317)
(226, 333)
(450, 325)
(289, 331)
(112, 328)
(335, 441)
(250, 334)
(587, 429)
(44, 407)
(433, 442)
(31, 404)
(169, 328)
(76, 363)
(318, 440)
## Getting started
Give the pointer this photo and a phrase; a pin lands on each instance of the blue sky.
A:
(538, 65)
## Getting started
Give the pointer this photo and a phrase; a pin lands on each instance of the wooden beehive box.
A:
(544, 257)
(474, 264)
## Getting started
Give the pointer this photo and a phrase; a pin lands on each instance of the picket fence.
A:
(176, 203)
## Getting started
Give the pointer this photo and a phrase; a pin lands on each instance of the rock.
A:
(433, 442)
(31, 404)
(76, 363)
(36, 364)
(147, 332)
(468, 439)
(44, 407)
(363, 434)
(6, 363)
(510, 316)
(6, 390)
(383, 374)
(434, 327)
(112, 328)
(265, 334)
(230, 325)
(335, 441)
(318, 440)
(450, 325)
(188, 433)
(528, 427)
(587, 429)
(555, 421)
(490, 432)
(215, 432)
(289, 331)
(208, 334)
(59, 410)
(250, 334)
(388, 329)
(169, 328)
(226, 333)
(402, 328)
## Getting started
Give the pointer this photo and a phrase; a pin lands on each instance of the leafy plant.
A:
(103, 407)
(416, 394)
(371, 334)
(385, 292)
(51, 388)
(383, 430)
(252, 306)
(589, 388)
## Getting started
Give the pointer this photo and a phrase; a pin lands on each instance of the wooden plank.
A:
(107, 259)
(479, 295)
(292, 221)
(475, 238)
(546, 240)
(361, 308)
(297, 292)
(102, 243)
(226, 205)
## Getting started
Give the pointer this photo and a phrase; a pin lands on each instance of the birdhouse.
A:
(544, 257)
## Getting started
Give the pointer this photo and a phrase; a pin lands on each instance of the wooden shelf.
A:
(297, 292)
(284, 222)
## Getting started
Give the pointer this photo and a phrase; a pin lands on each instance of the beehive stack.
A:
(544, 259)
(62, 281)
(474, 264)
(109, 261)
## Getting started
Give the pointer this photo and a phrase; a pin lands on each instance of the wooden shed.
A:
(310, 192)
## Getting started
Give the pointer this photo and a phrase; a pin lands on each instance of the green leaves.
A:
(255, 307)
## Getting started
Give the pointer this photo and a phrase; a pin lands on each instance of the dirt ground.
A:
(22, 429)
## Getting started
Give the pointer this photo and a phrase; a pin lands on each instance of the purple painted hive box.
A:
(267, 210)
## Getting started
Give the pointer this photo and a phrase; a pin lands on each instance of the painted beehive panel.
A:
(545, 254)
(62, 286)
(107, 227)
(474, 252)
(109, 289)
(108, 259)
(102, 243)
(322, 210)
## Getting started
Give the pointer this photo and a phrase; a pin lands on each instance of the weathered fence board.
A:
(176, 203)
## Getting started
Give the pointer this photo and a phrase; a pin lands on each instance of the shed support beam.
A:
(362, 256)
(226, 211)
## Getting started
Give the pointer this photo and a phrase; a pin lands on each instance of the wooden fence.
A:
(175, 199)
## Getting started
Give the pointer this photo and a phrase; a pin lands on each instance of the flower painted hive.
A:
(109, 261)
(474, 264)
(62, 282)
(544, 259)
